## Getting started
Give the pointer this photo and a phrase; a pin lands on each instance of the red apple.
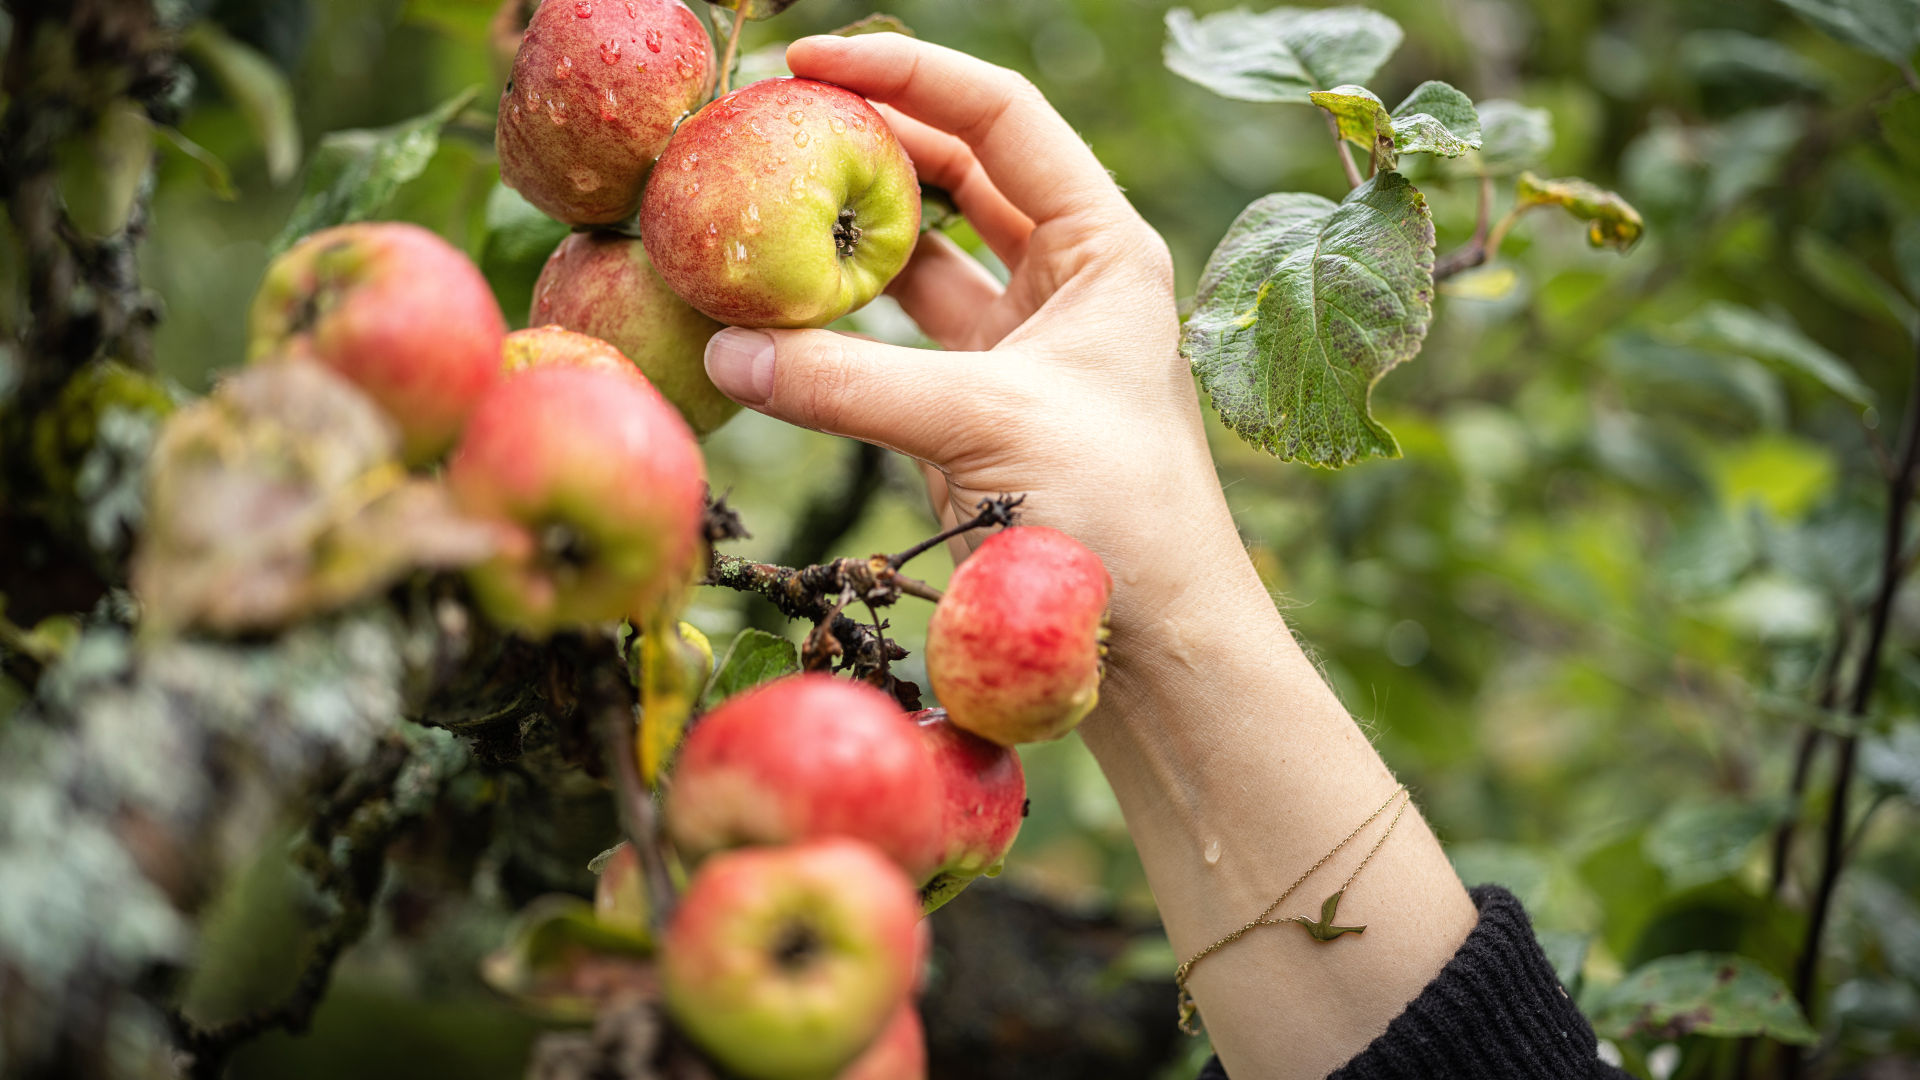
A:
(398, 311)
(983, 798)
(1015, 649)
(787, 963)
(554, 346)
(595, 92)
(900, 1053)
(602, 284)
(785, 203)
(597, 491)
(805, 757)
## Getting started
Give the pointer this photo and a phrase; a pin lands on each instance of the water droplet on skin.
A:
(786, 99)
(713, 236)
(585, 180)
(1212, 852)
(689, 162)
(799, 187)
(557, 111)
(739, 252)
(859, 123)
(754, 126)
(693, 188)
(796, 116)
(564, 69)
(584, 9)
(653, 40)
(610, 51)
(640, 67)
(633, 10)
(838, 125)
(750, 219)
(609, 108)
(799, 138)
(686, 69)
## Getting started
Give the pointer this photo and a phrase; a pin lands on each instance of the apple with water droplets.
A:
(1017, 646)
(787, 203)
(787, 963)
(596, 491)
(398, 311)
(595, 92)
(804, 757)
(603, 284)
(983, 800)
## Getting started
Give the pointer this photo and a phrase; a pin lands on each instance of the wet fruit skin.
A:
(804, 757)
(787, 963)
(787, 203)
(597, 491)
(603, 284)
(1014, 649)
(403, 314)
(595, 92)
(983, 801)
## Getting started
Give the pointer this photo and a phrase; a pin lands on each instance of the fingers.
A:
(903, 399)
(945, 161)
(947, 292)
(1028, 149)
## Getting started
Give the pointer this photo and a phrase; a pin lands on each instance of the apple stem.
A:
(726, 58)
(997, 512)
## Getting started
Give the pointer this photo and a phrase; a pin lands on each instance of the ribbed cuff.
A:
(1495, 1012)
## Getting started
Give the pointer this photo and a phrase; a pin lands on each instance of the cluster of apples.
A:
(819, 820)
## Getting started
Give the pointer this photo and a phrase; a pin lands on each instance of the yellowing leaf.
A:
(1611, 221)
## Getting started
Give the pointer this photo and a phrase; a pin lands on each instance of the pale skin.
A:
(1066, 383)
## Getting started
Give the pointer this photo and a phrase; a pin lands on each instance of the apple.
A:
(804, 757)
(397, 310)
(983, 801)
(554, 346)
(597, 492)
(603, 284)
(785, 203)
(786, 963)
(900, 1053)
(596, 89)
(1016, 647)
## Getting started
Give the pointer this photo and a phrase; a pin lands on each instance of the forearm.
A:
(1237, 769)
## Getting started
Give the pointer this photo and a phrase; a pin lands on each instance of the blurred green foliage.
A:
(1583, 616)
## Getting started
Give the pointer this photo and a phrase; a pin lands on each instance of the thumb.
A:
(915, 401)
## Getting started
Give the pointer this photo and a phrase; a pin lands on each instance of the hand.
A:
(1066, 384)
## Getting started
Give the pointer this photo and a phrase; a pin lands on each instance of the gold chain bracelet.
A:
(1322, 930)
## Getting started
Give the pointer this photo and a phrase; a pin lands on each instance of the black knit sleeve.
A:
(1495, 1012)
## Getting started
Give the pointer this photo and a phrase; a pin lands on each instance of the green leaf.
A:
(1512, 136)
(354, 174)
(1700, 993)
(754, 10)
(1889, 29)
(563, 962)
(876, 23)
(1567, 951)
(518, 242)
(1900, 125)
(1436, 119)
(1694, 843)
(1906, 255)
(1279, 55)
(754, 657)
(1731, 57)
(1742, 331)
(258, 88)
(1361, 117)
(1893, 761)
(218, 178)
(465, 20)
(1303, 307)
(1611, 221)
(1849, 281)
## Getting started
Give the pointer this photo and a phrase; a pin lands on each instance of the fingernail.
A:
(740, 363)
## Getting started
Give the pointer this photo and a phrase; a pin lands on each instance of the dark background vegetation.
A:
(1583, 616)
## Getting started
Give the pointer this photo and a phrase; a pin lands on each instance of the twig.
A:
(1346, 153)
(638, 818)
(1810, 739)
(733, 46)
(1865, 680)
(1481, 249)
(992, 513)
